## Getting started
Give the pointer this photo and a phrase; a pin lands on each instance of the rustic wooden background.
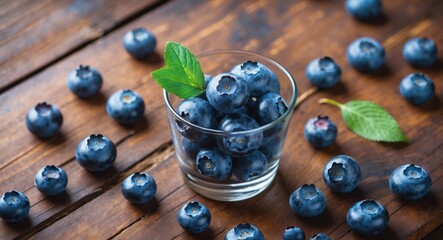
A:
(42, 41)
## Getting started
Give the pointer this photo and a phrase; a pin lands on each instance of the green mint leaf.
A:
(369, 120)
(182, 74)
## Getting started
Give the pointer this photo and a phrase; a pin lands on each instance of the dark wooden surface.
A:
(42, 41)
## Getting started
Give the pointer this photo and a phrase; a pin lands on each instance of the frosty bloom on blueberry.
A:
(194, 217)
(410, 181)
(125, 106)
(368, 217)
(51, 180)
(320, 132)
(366, 54)
(44, 120)
(14, 207)
(323, 72)
(420, 52)
(139, 188)
(227, 92)
(244, 231)
(258, 77)
(85, 81)
(96, 153)
(140, 43)
(417, 88)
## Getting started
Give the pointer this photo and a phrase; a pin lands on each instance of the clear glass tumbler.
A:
(272, 135)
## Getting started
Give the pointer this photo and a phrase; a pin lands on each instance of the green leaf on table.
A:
(182, 74)
(369, 120)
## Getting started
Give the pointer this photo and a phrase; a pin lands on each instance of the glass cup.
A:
(250, 173)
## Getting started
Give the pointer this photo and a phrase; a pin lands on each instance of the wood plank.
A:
(34, 34)
(376, 159)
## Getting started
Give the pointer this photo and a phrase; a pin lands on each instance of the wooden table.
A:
(42, 41)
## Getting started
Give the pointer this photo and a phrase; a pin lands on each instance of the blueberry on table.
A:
(197, 111)
(342, 174)
(417, 88)
(214, 164)
(125, 106)
(410, 181)
(51, 180)
(420, 52)
(258, 77)
(244, 231)
(227, 92)
(96, 153)
(269, 107)
(293, 233)
(366, 54)
(14, 207)
(320, 236)
(44, 120)
(85, 81)
(239, 144)
(320, 132)
(323, 72)
(250, 166)
(364, 10)
(367, 217)
(307, 201)
(194, 217)
(139, 188)
(140, 43)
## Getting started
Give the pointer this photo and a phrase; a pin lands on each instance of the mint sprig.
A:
(182, 74)
(369, 120)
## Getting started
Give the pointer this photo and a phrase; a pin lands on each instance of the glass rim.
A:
(267, 126)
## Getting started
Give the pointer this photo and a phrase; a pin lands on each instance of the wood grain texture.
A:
(35, 33)
(293, 33)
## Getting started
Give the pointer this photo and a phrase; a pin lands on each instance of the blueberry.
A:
(14, 207)
(197, 111)
(271, 147)
(417, 88)
(341, 174)
(420, 52)
(194, 217)
(320, 236)
(323, 72)
(139, 42)
(239, 144)
(258, 77)
(364, 10)
(139, 188)
(410, 182)
(227, 92)
(191, 148)
(250, 166)
(125, 106)
(366, 54)
(85, 81)
(293, 233)
(51, 180)
(44, 120)
(245, 231)
(214, 164)
(269, 107)
(320, 132)
(307, 201)
(367, 217)
(96, 153)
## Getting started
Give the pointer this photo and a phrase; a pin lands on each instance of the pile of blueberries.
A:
(227, 101)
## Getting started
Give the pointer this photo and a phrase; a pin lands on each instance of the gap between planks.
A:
(84, 44)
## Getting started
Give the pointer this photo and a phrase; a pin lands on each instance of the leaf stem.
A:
(330, 101)
(305, 95)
